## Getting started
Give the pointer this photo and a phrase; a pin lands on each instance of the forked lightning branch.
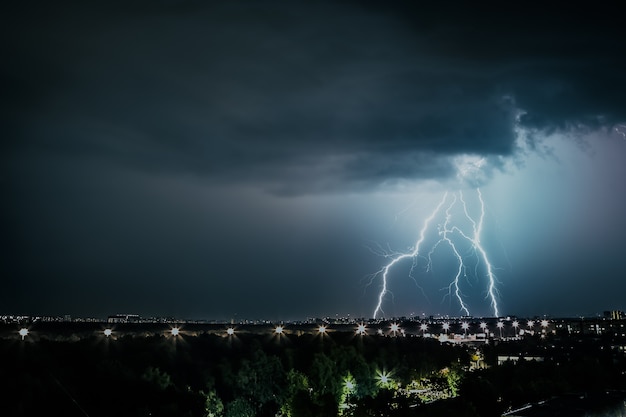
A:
(463, 238)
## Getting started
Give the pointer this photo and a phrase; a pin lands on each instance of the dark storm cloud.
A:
(303, 97)
(144, 143)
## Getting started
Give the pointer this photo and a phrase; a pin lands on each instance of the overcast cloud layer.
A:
(110, 107)
(304, 96)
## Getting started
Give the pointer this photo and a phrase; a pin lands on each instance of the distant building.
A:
(515, 358)
(614, 315)
(124, 318)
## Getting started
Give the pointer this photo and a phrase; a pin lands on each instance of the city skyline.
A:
(272, 160)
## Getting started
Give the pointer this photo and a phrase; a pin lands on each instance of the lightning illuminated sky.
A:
(237, 159)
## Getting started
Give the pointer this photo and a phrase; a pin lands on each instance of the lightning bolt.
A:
(400, 257)
(447, 232)
(445, 238)
(478, 228)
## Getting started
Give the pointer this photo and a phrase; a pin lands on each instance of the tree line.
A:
(247, 375)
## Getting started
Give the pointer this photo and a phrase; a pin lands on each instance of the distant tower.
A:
(614, 315)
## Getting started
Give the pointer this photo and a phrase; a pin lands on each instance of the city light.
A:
(396, 328)
(500, 325)
(23, 332)
(349, 384)
(383, 378)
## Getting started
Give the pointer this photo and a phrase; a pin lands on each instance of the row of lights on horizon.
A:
(360, 330)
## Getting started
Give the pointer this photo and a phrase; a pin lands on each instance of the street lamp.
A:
(500, 325)
(424, 327)
(465, 326)
(349, 383)
(515, 325)
(384, 378)
(446, 327)
(361, 329)
(23, 332)
(483, 326)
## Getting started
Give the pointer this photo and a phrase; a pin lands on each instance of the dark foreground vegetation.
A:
(293, 375)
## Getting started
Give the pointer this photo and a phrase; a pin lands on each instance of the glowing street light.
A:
(515, 325)
(230, 331)
(380, 332)
(395, 328)
(446, 327)
(483, 326)
(530, 324)
(361, 329)
(349, 384)
(175, 331)
(465, 326)
(384, 378)
(500, 325)
(107, 332)
(423, 328)
(544, 323)
(23, 332)
(279, 330)
(321, 330)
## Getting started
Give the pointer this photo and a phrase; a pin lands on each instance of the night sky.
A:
(258, 159)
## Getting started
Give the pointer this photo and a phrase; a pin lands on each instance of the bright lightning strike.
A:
(411, 255)
(452, 235)
(446, 238)
(478, 228)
